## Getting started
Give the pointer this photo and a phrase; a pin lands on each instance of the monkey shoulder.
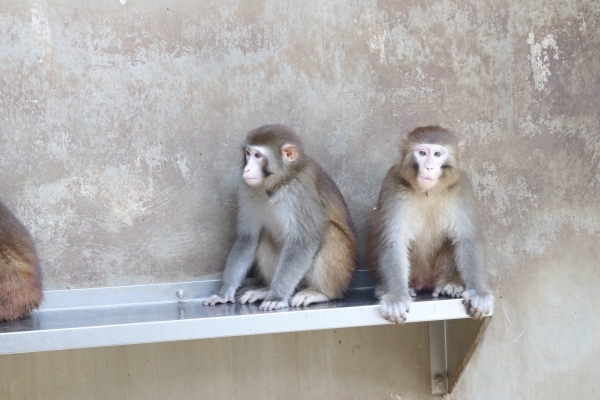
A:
(323, 183)
(394, 185)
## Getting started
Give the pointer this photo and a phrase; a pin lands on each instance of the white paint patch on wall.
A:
(540, 59)
(376, 35)
(127, 194)
(43, 36)
(183, 163)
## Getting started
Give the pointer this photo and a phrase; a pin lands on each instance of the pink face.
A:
(255, 161)
(430, 158)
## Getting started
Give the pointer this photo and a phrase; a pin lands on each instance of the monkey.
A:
(292, 223)
(20, 275)
(424, 232)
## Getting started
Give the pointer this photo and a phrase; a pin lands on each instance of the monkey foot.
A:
(412, 292)
(215, 299)
(308, 296)
(479, 305)
(450, 290)
(253, 295)
(394, 309)
(270, 305)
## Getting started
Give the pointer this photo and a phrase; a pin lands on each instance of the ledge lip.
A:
(154, 313)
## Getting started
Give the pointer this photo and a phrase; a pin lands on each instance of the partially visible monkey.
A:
(424, 231)
(293, 222)
(20, 276)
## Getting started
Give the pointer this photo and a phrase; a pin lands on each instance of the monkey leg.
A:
(253, 295)
(267, 257)
(267, 260)
(333, 268)
(448, 282)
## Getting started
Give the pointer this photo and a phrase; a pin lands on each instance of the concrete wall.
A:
(120, 128)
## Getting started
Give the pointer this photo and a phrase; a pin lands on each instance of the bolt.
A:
(439, 378)
(180, 293)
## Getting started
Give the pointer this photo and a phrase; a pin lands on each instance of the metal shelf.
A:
(83, 318)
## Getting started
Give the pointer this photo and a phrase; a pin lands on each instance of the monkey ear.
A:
(289, 152)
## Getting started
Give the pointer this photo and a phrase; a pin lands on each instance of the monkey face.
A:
(261, 163)
(255, 169)
(431, 159)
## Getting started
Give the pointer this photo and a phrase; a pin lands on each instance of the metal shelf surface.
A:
(83, 318)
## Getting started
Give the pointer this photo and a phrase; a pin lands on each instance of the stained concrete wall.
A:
(120, 127)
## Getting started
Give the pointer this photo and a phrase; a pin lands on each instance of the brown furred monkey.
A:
(20, 276)
(424, 231)
(293, 222)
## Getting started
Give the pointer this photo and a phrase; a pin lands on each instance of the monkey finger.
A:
(395, 311)
(253, 295)
(270, 305)
(466, 295)
(214, 299)
(308, 296)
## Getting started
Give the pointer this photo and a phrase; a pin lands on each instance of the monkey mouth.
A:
(426, 182)
(251, 181)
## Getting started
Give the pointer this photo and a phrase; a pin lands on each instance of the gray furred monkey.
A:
(20, 276)
(424, 231)
(293, 222)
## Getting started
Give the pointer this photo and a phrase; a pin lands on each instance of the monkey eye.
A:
(422, 153)
(257, 155)
(247, 152)
(437, 153)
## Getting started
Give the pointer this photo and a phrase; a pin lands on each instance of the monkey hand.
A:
(479, 304)
(394, 308)
(216, 299)
(270, 305)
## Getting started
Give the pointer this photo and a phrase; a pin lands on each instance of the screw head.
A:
(180, 293)
(439, 378)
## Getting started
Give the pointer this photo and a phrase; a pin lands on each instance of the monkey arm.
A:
(469, 262)
(392, 240)
(467, 248)
(394, 267)
(392, 255)
(239, 261)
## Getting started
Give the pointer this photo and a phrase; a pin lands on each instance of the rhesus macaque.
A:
(293, 222)
(424, 233)
(20, 276)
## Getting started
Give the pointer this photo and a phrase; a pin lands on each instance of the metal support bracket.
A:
(451, 345)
